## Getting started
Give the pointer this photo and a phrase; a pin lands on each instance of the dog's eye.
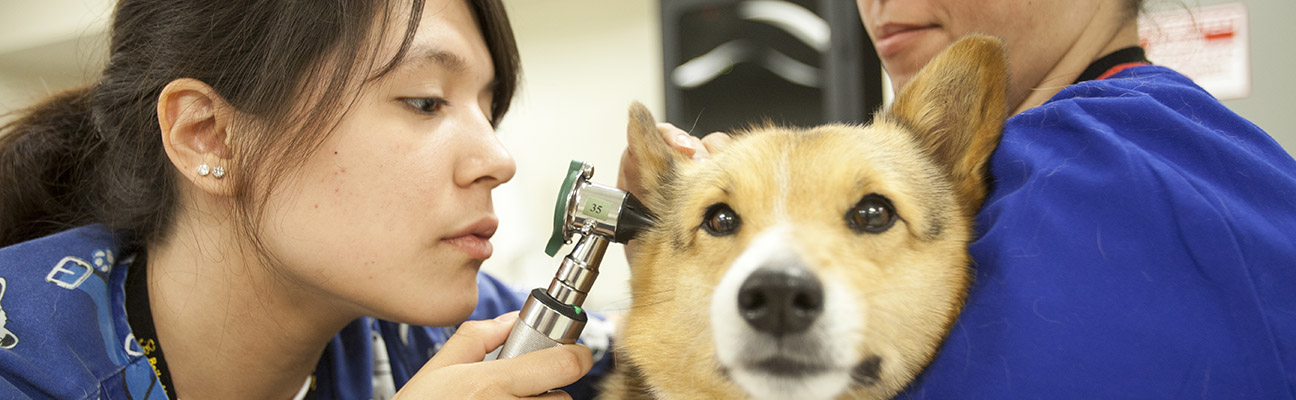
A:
(720, 220)
(873, 214)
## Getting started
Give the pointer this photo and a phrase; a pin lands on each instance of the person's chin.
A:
(462, 313)
(438, 305)
(901, 68)
(445, 313)
(462, 305)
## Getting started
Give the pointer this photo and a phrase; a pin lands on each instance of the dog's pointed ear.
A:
(656, 161)
(956, 105)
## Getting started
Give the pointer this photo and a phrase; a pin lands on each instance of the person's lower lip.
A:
(475, 246)
(897, 42)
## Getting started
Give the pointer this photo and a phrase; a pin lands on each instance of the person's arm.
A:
(1134, 247)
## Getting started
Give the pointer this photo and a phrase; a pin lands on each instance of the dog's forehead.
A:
(772, 175)
(880, 155)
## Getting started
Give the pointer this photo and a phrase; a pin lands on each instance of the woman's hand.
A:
(457, 371)
(699, 149)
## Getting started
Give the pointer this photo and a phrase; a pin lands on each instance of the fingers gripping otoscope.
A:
(598, 214)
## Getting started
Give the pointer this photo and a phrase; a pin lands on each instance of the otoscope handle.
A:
(543, 323)
(553, 317)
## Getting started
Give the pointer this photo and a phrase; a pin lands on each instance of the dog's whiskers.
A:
(643, 305)
(695, 121)
(650, 299)
(883, 290)
(879, 335)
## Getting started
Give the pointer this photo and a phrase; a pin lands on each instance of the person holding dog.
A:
(1137, 241)
(269, 200)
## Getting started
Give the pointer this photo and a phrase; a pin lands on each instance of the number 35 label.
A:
(597, 209)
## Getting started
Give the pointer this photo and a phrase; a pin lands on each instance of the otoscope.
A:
(599, 214)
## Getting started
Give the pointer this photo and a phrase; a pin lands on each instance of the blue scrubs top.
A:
(1139, 242)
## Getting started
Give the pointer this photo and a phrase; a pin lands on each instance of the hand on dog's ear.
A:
(957, 106)
(648, 161)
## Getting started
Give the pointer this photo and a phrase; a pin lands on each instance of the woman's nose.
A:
(485, 160)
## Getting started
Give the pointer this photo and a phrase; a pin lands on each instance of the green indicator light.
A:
(578, 310)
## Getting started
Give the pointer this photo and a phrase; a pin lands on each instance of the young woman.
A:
(260, 200)
(1139, 240)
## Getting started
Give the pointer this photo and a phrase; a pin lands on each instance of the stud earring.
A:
(218, 172)
(203, 170)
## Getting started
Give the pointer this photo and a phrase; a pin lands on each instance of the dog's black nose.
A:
(780, 300)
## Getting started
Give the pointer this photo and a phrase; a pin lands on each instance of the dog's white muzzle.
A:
(781, 329)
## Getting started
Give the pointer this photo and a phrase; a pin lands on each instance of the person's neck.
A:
(229, 327)
(1099, 39)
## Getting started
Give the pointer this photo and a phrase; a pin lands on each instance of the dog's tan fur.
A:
(927, 154)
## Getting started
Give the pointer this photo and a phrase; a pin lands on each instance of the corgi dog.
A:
(817, 263)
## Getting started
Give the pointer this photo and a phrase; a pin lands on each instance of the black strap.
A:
(140, 316)
(1133, 54)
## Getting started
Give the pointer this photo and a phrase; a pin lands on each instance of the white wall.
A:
(47, 46)
(1272, 103)
(584, 62)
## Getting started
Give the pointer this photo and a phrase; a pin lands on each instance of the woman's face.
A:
(392, 216)
(1037, 33)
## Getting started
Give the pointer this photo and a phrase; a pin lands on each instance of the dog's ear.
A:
(655, 159)
(956, 105)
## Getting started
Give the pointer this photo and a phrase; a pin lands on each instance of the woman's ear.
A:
(195, 123)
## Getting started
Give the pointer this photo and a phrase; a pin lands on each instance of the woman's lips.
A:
(477, 247)
(474, 239)
(894, 38)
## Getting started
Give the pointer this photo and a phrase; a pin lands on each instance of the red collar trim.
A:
(1120, 67)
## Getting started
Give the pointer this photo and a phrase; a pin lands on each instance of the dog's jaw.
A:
(816, 364)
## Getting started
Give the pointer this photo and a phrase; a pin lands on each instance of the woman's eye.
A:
(426, 105)
(720, 220)
(873, 214)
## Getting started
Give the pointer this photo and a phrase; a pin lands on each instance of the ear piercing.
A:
(216, 172)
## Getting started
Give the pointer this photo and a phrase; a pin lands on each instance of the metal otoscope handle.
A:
(554, 317)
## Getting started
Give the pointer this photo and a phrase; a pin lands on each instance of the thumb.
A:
(544, 369)
(472, 341)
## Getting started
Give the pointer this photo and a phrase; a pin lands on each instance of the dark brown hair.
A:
(95, 155)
